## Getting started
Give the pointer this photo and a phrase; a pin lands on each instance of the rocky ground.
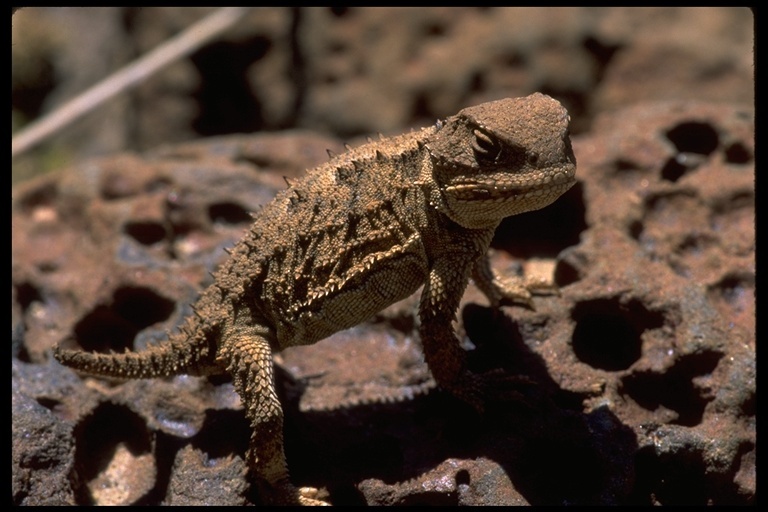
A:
(642, 370)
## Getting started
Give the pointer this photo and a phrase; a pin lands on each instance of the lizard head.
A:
(501, 158)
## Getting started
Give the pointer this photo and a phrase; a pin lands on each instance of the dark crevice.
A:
(674, 389)
(48, 403)
(694, 137)
(678, 166)
(602, 54)
(114, 326)
(734, 289)
(420, 106)
(660, 202)
(98, 436)
(544, 233)
(608, 334)
(477, 82)
(622, 165)
(56, 406)
(224, 433)
(339, 12)
(225, 98)
(30, 90)
(145, 232)
(571, 266)
(566, 273)
(431, 499)
(636, 229)
(435, 29)
(673, 170)
(26, 294)
(670, 479)
(577, 103)
(735, 201)
(737, 153)
(228, 213)
(695, 243)
(298, 70)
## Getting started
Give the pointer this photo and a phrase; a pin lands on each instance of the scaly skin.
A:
(357, 234)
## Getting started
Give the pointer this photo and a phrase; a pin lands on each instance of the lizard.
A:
(356, 234)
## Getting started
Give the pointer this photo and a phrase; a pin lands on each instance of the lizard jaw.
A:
(499, 191)
(483, 204)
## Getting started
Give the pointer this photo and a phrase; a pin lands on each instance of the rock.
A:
(637, 382)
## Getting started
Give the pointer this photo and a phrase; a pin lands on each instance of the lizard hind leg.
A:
(247, 354)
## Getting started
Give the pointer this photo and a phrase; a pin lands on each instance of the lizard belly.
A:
(381, 280)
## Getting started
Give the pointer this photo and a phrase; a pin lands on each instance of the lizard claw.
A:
(309, 496)
(521, 291)
(541, 286)
(287, 494)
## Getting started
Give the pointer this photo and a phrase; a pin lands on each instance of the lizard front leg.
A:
(446, 359)
(513, 288)
(247, 354)
(440, 298)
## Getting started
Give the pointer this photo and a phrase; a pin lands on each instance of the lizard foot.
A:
(310, 496)
(521, 291)
(287, 494)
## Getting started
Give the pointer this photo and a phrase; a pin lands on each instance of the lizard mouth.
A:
(495, 191)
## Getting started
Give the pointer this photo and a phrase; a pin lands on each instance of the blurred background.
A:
(354, 71)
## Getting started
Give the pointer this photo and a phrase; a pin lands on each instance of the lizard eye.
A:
(485, 147)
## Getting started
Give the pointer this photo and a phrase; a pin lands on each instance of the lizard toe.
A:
(310, 496)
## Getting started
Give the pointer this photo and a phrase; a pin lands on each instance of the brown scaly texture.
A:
(355, 235)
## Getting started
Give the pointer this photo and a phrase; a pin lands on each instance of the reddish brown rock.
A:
(640, 375)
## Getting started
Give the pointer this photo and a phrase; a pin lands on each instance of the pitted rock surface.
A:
(642, 370)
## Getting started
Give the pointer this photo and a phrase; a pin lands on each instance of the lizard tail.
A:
(194, 355)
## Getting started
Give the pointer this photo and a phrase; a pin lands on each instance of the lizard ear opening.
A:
(486, 148)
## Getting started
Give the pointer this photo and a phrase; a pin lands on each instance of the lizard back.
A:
(337, 246)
